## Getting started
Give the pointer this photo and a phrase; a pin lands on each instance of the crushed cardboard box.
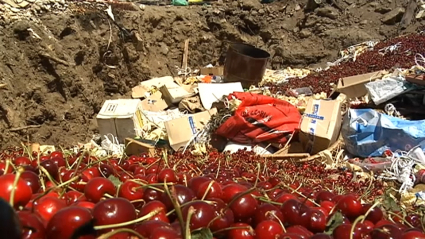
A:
(354, 86)
(173, 93)
(180, 131)
(320, 125)
(155, 102)
(142, 90)
(122, 118)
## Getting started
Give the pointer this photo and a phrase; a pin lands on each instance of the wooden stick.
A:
(185, 55)
(24, 127)
(55, 59)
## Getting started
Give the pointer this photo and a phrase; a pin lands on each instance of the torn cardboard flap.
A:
(320, 125)
(180, 131)
(155, 102)
(215, 71)
(174, 93)
(353, 86)
(142, 90)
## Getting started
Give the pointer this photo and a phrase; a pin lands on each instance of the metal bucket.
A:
(246, 64)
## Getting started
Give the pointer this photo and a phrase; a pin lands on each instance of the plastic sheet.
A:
(369, 133)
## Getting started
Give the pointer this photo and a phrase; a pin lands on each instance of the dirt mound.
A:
(60, 67)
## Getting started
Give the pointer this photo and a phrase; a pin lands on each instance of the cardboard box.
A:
(320, 125)
(174, 93)
(122, 118)
(215, 71)
(155, 102)
(353, 86)
(136, 147)
(142, 90)
(180, 131)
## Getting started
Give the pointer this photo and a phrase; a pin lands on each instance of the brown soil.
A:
(60, 99)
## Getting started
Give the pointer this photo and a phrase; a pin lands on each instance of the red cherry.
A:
(32, 180)
(195, 182)
(113, 211)
(164, 232)
(32, 225)
(299, 230)
(59, 161)
(230, 190)
(155, 205)
(324, 195)
(321, 236)
(47, 206)
(368, 226)
(85, 204)
(244, 206)
(327, 205)
(414, 220)
(73, 196)
(350, 206)
(131, 191)
(151, 194)
(204, 213)
(240, 231)
(267, 211)
(209, 189)
(268, 229)
(386, 232)
(413, 235)
(343, 231)
(139, 170)
(57, 154)
(183, 195)
(90, 173)
(51, 168)
(167, 175)
(317, 221)
(290, 236)
(64, 223)
(22, 192)
(3, 167)
(147, 227)
(21, 161)
(291, 211)
(284, 196)
(96, 189)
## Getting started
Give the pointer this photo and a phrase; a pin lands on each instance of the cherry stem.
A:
(186, 203)
(370, 209)
(360, 218)
(47, 175)
(15, 184)
(208, 189)
(369, 186)
(6, 168)
(190, 213)
(51, 189)
(110, 234)
(280, 221)
(124, 224)
(231, 228)
(302, 195)
(404, 220)
(177, 208)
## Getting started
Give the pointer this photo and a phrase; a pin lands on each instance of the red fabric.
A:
(260, 118)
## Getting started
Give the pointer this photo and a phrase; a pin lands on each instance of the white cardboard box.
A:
(122, 118)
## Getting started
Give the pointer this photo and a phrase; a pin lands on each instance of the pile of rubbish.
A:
(375, 120)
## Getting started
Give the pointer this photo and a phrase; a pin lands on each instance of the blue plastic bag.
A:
(369, 133)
